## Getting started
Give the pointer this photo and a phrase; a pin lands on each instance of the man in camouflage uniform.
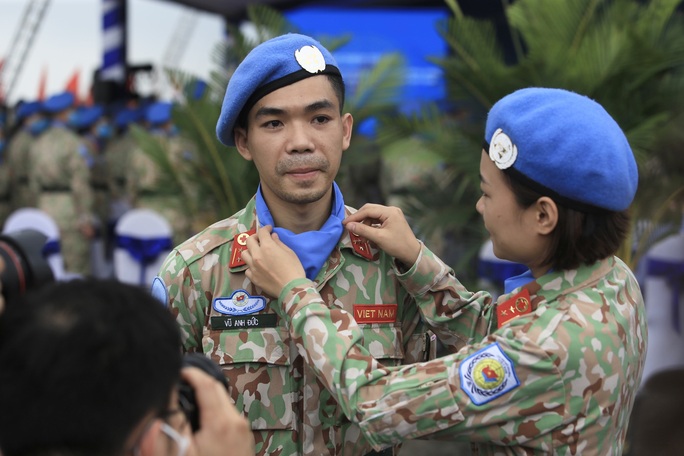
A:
(551, 367)
(149, 185)
(31, 123)
(117, 159)
(59, 175)
(283, 110)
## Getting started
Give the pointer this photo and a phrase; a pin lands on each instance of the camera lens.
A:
(186, 395)
(25, 267)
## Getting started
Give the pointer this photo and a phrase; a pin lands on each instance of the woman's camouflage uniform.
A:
(560, 379)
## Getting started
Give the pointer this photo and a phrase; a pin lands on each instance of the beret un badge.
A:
(565, 146)
(271, 65)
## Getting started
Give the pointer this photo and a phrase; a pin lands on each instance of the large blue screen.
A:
(375, 32)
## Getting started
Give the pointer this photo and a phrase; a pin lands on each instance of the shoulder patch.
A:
(487, 374)
(159, 291)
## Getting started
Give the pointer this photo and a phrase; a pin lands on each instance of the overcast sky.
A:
(70, 39)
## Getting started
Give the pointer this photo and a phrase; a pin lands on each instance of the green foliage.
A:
(626, 54)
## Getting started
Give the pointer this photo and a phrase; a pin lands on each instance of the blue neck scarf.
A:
(312, 247)
(514, 282)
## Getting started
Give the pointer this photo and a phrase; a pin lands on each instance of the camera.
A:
(186, 395)
(23, 265)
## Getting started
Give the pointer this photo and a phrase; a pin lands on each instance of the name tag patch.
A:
(239, 303)
(254, 321)
(375, 313)
(487, 374)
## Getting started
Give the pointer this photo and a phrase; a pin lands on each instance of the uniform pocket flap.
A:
(384, 341)
(263, 345)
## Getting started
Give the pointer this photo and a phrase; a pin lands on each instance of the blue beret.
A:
(158, 113)
(87, 116)
(563, 145)
(59, 102)
(273, 64)
(28, 109)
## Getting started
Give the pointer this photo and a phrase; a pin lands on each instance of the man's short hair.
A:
(83, 362)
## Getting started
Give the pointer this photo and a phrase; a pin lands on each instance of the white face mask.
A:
(182, 443)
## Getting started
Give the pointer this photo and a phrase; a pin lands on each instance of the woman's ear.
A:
(546, 215)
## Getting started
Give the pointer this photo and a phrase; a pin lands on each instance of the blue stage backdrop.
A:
(376, 32)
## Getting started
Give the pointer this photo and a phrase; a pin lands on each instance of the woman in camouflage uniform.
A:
(551, 367)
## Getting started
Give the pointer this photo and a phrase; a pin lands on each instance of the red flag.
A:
(42, 84)
(89, 101)
(72, 84)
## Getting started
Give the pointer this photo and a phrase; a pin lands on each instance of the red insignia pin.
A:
(514, 307)
(361, 246)
(239, 245)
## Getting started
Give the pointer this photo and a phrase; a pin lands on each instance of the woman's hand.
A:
(388, 228)
(271, 264)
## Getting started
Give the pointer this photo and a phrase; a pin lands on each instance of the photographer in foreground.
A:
(93, 368)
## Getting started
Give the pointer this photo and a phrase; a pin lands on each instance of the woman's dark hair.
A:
(580, 237)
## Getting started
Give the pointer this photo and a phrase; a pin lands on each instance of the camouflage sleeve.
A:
(456, 315)
(501, 390)
(183, 294)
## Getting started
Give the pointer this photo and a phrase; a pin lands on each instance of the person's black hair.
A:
(579, 237)
(82, 364)
(336, 82)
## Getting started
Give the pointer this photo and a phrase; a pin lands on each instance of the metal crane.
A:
(34, 12)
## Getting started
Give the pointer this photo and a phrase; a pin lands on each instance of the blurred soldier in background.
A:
(60, 177)
(30, 123)
(93, 128)
(117, 156)
(155, 181)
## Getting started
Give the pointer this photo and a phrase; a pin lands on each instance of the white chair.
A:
(142, 240)
(663, 289)
(32, 218)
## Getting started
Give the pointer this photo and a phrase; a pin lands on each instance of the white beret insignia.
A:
(502, 151)
(310, 58)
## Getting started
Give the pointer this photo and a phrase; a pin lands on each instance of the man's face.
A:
(296, 137)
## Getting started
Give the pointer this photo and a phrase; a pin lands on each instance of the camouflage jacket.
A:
(60, 176)
(223, 314)
(558, 378)
(117, 157)
(18, 163)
